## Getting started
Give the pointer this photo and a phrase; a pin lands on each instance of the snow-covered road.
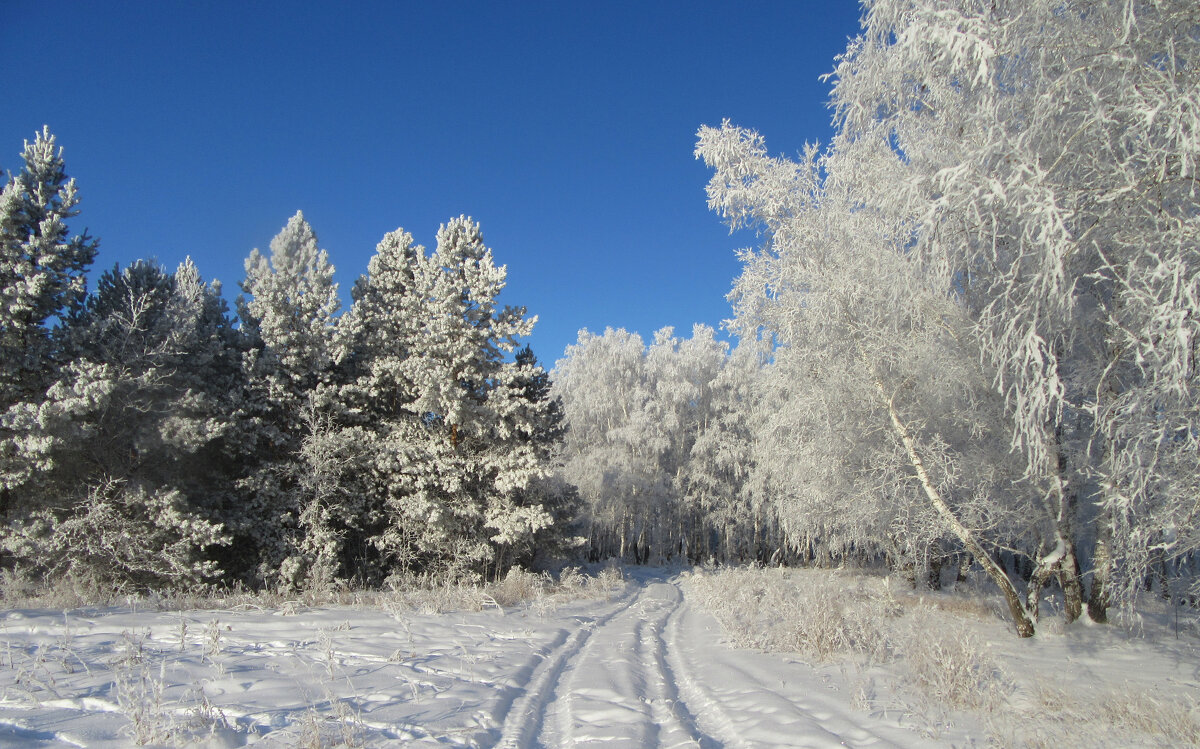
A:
(653, 672)
(644, 668)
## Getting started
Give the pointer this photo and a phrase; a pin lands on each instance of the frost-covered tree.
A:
(878, 398)
(288, 315)
(470, 405)
(42, 267)
(455, 437)
(1047, 154)
(682, 373)
(634, 414)
(535, 523)
(738, 520)
(1012, 184)
(604, 388)
(117, 467)
(289, 310)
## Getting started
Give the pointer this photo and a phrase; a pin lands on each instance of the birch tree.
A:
(869, 350)
(1025, 174)
(736, 521)
(634, 415)
(1047, 153)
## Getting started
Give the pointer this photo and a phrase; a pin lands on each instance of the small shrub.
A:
(948, 664)
(823, 617)
(519, 586)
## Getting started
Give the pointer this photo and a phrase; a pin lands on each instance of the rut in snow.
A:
(652, 673)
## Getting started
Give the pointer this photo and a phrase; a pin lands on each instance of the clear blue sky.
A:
(566, 128)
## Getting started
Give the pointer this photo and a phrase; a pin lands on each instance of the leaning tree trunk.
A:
(1021, 620)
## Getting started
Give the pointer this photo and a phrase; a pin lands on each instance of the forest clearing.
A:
(934, 481)
(804, 658)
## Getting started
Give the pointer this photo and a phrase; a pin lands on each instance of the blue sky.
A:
(565, 128)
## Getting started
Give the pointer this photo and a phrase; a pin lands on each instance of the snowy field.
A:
(646, 665)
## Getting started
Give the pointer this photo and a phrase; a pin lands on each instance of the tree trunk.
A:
(1043, 570)
(1101, 569)
(1022, 622)
(624, 533)
(1071, 581)
(1063, 564)
(964, 566)
(935, 573)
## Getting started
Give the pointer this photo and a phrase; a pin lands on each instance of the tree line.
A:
(970, 329)
(968, 338)
(151, 437)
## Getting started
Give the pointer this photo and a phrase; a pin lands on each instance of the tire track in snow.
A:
(693, 690)
(667, 704)
(667, 699)
(749, 699)
(618, 689)
(526, 715)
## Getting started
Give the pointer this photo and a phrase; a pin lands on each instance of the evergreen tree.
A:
(536, 523)
(41, 267)
(288, 317)
(455, 434)
(114, 467)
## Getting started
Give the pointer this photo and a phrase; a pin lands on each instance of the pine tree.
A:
(288, 317)
(41, 267)
(537, 522)
(113, 466)
(455, 439)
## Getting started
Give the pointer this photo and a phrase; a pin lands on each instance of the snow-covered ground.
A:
(646, 666)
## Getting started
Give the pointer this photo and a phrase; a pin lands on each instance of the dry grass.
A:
(949, 666)
(519, 587)
(1056, 715)
(939, 663)
(826, 619)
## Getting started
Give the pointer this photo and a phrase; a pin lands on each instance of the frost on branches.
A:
(399, 439)
(456, 436)
(112, 465)
(990, 275)
(41, 266)
(655, 445)
(287, 316)
(148, 441)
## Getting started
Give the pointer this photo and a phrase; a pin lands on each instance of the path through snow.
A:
(654, 673)
(644, 669)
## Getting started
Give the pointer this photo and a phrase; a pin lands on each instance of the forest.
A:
(966, 340)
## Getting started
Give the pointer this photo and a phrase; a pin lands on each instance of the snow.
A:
(646, 667)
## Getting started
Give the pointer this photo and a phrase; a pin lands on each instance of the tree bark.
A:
(1062, 563)
(964, 566)
(1101, 569)
(1069, 578)
(1021, 620)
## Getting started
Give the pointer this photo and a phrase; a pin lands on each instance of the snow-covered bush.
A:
(520, 586)
(117, 536)
(817, 613)
(946, 663)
